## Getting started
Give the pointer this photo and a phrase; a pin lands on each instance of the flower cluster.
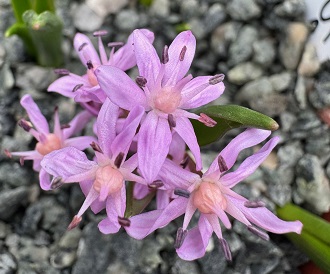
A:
(142, 128)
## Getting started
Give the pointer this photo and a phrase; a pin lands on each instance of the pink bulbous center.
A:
(91, 76)
(51, 143)
(207, 197)
(167, 100)
(108, 178)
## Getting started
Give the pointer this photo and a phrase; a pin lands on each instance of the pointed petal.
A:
(265, 219)
(106, 126)
(177, 148)
(186, 131)
(235, 211)
(65, 85)
(249, 165)
(199, 92)
(176, 69)
(140, 191)
(44, 180)
(196, 241)
(77, 124)
(147, 59)
(248, 138)
(162, 199)
(35, 115)
(80, 143)
(153, 145)
(57, 125)
(144, 224)
(123, 140)
(90, 198)
(120, 88)
(85, 49)
(69, 163)
(131, 164)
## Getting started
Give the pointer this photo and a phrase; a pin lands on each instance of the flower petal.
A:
(265, 219)
(144, 224)
(69, 163)
(35, 115)
(77, 124)
(44, 180)
(248, 138)
(177, 67)
(120, 88)
(196, 241)
(186, 131)
(85, 49)
(80, 143)
(199, 92)
(249, 165)
(153, 145)
(177, 148)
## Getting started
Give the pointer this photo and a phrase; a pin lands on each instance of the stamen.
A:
(185, 162)
(75, 221)
(56, 182)
(65, 126)
(76, 87)
(182, 192)
(124, 221)
(259, 233)
(7, 153)
(115, 44)
(254, 204)
(62, 71)
(182, 53)
(222, 164)
(119, 159)
(165, 57)
(155, 184)
(26, 125)
(206, 120)
(100, 33)
(180, 236)
(141, 81)
(82, 46)
(216, 79)
(171, 120)
(226, 249)
(96, 147)
(89, 64)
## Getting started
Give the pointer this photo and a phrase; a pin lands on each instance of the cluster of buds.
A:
(142, 128)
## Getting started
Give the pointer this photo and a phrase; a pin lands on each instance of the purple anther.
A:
(62, 71)
(182, 53)
(226, 249)
(21, 161)
(182, 192)
(206, 120)
(259, 233)
(89, 64)
(180, 236)
(26, 125)
(76, 87)
(100, 33)
(171, 120)
(96, 147)
(254, 204)
(115, 44)
(141, 81)
(75, 221)
(124, 221)
(216, 79)
(7, 153)
(65, 126)
(155, 185)
(56, 182)
(82, 46)
(165, 57)
(119, 159)
(185, 162)
(222, 164)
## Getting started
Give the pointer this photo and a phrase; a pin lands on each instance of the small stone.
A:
(264, 52)
(255, 89)
(313, 185)
(292, 46)
(80, 13)
(244, 72)
(290, 153)
(11, 200)
(281, 81)
(287, 120)
(160, 8)
(6, 78)
(214, 16)
(127, 20)
(272, 105)
(184, 267)
(300, 92)
(310, 63)
(31, 219)
(243, 10)
(104, 7)
(291, 8)
(191, 8)
(4, 230)
(7, 263)
(320, 95)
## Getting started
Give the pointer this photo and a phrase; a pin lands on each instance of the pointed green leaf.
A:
(19, 7)
(43, 5)
(229, 117)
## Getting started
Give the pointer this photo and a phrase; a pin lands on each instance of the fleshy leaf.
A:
(229, 117)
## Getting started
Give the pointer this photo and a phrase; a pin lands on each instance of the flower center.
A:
(108, 180)
(51, 143)
(91, 75)
(207, 197)
(167, 100)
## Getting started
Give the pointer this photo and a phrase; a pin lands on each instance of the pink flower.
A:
(165, 93)
(47, 141)
(212, 196)
(102, 180)
(85, 89)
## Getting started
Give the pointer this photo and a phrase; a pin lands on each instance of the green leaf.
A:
(19, 7)
(229, 117)
(40, 6)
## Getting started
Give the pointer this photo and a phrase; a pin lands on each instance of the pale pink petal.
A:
(177, 148)
(131, 164)
(120, 88)
(233, 209)
(162, 199)
(70, 164)
(186, 131)
(65, 85)
(87, 94)
(144, 224)
(35, 115)
(199, 92)
(249, 165)
(248, 138)
(140, 191)
(85, 49)
(106, 126)
(77, 124)
(57, 125)
(147, 59)
(196, 241)
(265, 219)
(44, 180)
(80, 143)
(181, 53)
(153, 145)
